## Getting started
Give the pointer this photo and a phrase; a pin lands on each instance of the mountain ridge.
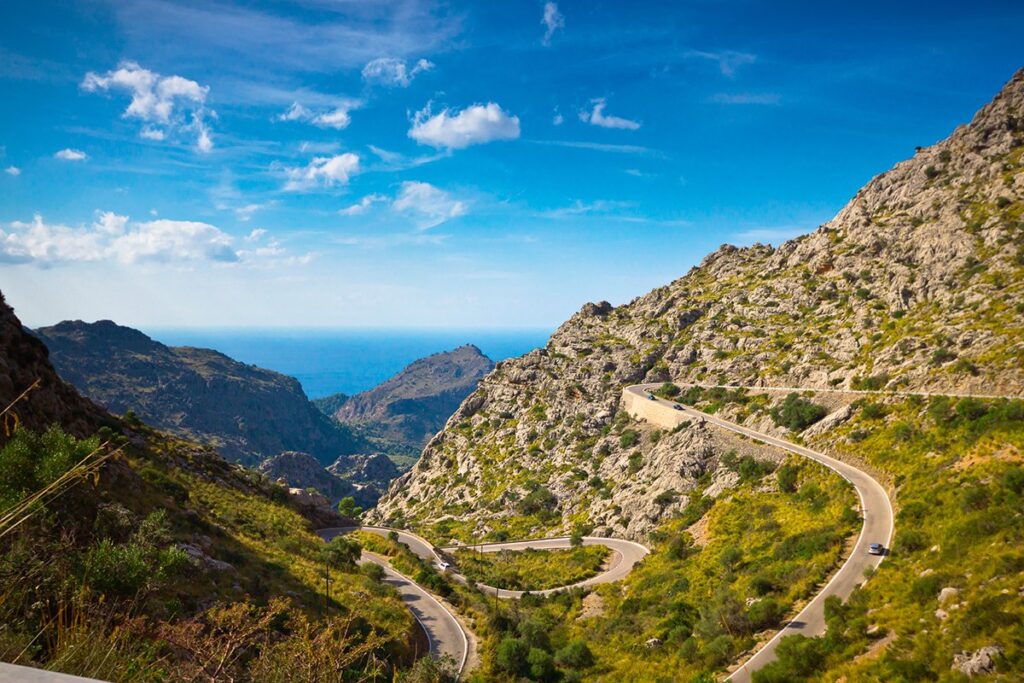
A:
(916, 283)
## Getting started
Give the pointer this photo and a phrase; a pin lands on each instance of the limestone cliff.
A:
(917, 282)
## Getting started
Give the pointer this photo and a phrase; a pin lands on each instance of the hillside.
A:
(412, 406)
(246, 412)
(918, 283)
(159, 560)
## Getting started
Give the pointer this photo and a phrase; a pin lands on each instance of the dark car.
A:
(876, 549)
(650, 397)
(677, 406)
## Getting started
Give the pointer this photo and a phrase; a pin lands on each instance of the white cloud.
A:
(430, 205)
(256, 234)
(728, 61)
(150, 133)
(246, 212)
(325, 171)
(337, 117)
(165, 103)
(597, 117)
(112, 237)
(552, 20)
(600, 147)
(12, 170)
(390, 71)
(363, 205)
(765, 98)
(557, 119)
(69, 154)
(473, 125)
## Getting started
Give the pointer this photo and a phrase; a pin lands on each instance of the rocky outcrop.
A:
(303, 471)
(24, 362)
(246, 412)
(916, 283)
(412, 406)
(981, 661)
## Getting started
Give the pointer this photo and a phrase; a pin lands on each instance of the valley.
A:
(801, 462)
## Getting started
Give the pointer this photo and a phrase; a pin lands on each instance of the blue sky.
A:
(336, 163)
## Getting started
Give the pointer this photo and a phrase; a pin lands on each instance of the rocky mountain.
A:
(23, 363)
(918, 282)
(246, 412)
(412, 406)
(302, 470)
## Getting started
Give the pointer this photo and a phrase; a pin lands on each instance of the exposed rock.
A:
(948, 594)
(907, 252)
(652, 643)
(201, 560)
(370, 474)
(23, 361)
(412, 406)
(980, 661)
(246, 412)
(301, 470)
(829, 422)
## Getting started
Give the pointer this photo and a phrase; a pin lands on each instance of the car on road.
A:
(876, 549)
(443, 566)
(650, 397)
(676, 406)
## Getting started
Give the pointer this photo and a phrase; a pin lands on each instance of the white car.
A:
(443, 566)
(876, 549)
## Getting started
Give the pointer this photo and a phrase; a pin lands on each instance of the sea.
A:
(348, 361)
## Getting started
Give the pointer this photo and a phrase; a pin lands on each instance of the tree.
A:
(341, 553)
(787, 476)
(575, 655)
(348, 508)
(797, 414)
(576, 539)
(542, 665)
(511, 655)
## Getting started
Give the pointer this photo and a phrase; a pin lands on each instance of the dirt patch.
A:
(593, 606)
(982, 455)
(699, 531)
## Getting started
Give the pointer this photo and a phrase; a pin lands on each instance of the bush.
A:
(575, 655)
(372, 570)
(764, 613)
(797, 414)
(628, 438)
(538, 501)
(542, 664)
(873, 411)
(668, 390)
(347, 508)
(30, 461)
(341, 553)
(511, 655)
(787, 477)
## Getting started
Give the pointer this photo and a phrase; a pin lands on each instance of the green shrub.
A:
(796, 413)
(628, 438)
(787, 477)
(511, 655)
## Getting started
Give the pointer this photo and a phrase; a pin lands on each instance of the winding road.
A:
(448, 637)
(876, 509)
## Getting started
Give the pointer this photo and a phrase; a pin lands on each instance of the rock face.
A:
(412, 406)
(979, 662)
(246, 412)
(23, 361)
(918, 282)
(370, 474)
(303, 471)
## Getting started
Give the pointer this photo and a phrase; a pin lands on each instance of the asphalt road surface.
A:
(877, 528)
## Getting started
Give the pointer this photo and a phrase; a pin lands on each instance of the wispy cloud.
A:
(337, 116)
(392, 72)
(69, 154)
(12, 170)
(597, 117)
(363, 205)
(764, 98)
(600, 147)
(552, 19)
(322, 172)
(728, 61)
(428, 205)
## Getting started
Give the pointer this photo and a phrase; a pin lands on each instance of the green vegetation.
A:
(775, 548)
(531, 570)
(797, 414)
(168, 564)
(960, 502)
